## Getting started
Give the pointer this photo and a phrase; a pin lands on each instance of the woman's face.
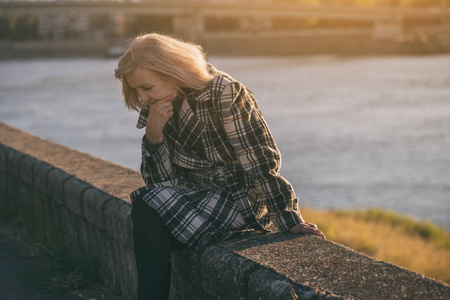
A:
(149, 86)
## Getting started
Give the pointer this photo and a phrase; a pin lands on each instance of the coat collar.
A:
(189, 127)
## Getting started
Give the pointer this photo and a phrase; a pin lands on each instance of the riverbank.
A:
(357, 43)
(54, 49)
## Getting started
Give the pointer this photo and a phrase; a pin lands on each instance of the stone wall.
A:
(80, 196)
(86, 200)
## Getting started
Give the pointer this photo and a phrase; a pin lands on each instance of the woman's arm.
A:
(259, 156)
(156, 164)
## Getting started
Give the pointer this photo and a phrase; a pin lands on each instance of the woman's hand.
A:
(307, 228)
(160, 112)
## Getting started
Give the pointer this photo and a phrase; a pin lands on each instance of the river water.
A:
(354, 132)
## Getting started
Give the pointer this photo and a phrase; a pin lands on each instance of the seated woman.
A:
(209, 162)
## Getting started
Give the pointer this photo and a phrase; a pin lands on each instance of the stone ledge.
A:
(287, 266)
(92, 210)
(109, 177)
(45, 183)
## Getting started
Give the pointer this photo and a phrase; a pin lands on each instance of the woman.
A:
(209, 162)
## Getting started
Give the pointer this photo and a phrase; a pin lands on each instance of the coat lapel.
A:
(183, 134)
(184, 130)
(190, 127)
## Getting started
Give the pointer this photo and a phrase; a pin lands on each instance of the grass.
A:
(419, 246)
(33, 229)
(65, 273)
(60, 272)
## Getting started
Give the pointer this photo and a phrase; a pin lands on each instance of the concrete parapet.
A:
(86, 200)
(286, 266)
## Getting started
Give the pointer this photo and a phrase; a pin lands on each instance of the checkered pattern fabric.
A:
(217, 173)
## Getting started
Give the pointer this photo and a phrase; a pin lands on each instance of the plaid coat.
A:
(217, 173)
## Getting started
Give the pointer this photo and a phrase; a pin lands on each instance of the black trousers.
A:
(153, 245)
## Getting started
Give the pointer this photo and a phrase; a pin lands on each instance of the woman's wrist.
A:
(154, 138)
(152, 148)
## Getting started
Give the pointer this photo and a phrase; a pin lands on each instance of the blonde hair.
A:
(180, 63)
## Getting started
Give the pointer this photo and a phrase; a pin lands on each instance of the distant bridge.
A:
(222, 9)
(188, 18)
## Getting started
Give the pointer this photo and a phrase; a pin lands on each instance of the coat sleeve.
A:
(258, 154)
(156, 166)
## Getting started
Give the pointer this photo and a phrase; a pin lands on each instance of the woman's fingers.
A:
(317, 231)
(313, 229)
(160, 111)
(166, 99)
(164, 109)
(306, 224)
(307, 228)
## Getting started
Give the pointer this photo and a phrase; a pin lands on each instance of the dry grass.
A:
(59, 273)
(418, 246)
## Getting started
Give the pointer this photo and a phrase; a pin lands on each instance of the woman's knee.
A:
(141, 211)
(146, 220)
(144, 216)
(137, 205)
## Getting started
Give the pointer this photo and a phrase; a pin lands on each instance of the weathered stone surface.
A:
(41, 171)
(55, 184)
(267, 284)
(112, 178)
(128, 283)
(329, 267)
(287, 266)
(7, 206)
(91, 209)
(231, 270)
(103, 263)
(118, 221)
(26, 169)
(69, 229)
(4, 195)
(74, 189)
(108, 269)
(94, 202)
(13, 158)
(3, 160)
(186, 275)
(88, 241)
